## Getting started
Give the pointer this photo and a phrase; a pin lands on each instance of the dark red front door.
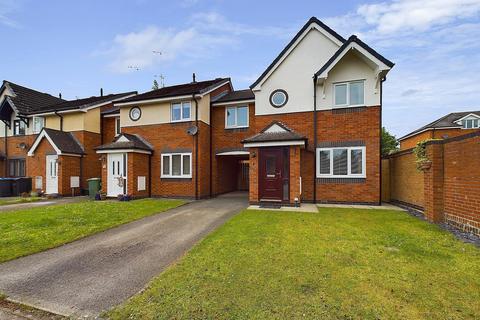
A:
(273, 174)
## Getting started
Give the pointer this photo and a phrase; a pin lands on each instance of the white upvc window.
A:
(176, 165)
(38, 124)
(349, 94)
(470, 123)
(341, 162)
(181, 111)
(117, 126)
(19, 127)
(236, 117)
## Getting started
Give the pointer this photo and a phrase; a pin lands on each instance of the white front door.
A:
(52, 174)
(117, 174)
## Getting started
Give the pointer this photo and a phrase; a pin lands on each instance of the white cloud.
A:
(205, 35)
(136, 49)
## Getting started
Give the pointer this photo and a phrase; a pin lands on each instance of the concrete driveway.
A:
(94, 274)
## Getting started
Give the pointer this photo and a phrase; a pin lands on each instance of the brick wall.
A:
(174, 138)
(68, 167)
(294, 180)
(451, 181)
(358, 125)
(13, 149)
(403, 181)
(108, 129)
(253, 169)
(137, 166)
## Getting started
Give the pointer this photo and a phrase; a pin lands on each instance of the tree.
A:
(155, 85)
(389, 142)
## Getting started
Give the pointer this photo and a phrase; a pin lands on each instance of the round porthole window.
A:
(278, 98)
(135, 113)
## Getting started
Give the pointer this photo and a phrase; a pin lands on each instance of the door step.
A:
(270, 205)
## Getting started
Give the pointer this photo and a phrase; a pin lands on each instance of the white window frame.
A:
(182, 118)
(348, 93)
(169, 175)
(236, 126)
(117, 126)
(349, 163)
(472, 119)
(43, 124)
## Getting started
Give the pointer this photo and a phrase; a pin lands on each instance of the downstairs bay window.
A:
(176, 165)
(341, 162)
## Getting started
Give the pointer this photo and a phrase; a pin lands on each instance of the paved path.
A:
(96, 273)
(41, 203)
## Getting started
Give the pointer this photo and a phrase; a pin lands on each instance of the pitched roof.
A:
(280, 133)
(62, 141)
(86, 102)
(354, 39)
(446, 121)
(290, 44)
(197, 87)
(238, 95)
(27, 100)
(127, 141)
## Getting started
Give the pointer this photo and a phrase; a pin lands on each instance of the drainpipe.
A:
(196, 146)
(150, 175)
(211, 152)
(380, 151)
(6, 151)
(315, 138)
(61, 120)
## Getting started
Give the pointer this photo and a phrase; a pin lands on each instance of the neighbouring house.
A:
(50, 139)
(307, 130)
(449, 126)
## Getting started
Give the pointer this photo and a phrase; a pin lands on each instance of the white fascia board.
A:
(467, 116)
(233, 153)
(233, 102)
(426, 129)
(380, 65)
(124, 151)
(121, 104)
(112, 115)
(39, 138)
(108, 102)
(274, 144)
(286, 54)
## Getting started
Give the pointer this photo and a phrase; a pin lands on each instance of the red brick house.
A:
(307, 130)
(451, 125)
(50, 139)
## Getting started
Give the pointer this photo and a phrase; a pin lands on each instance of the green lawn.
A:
(28, 231)
(336, 264)
(16, 200)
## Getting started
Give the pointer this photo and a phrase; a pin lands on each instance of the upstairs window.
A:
(181, 111)
(349, 94)
(117, 126)
(18, 128)
(470, 123)
(236, 117)
(176, 165)
(342, 162)
(38, 124)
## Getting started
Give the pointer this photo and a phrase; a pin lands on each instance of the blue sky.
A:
(77, 47)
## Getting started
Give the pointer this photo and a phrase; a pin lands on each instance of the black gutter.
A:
(196, 146)
(315, 138)
(61, 119)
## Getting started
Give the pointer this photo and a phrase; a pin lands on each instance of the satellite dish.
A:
(23, 145)
(193, 130)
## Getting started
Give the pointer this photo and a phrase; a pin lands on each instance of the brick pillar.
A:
(433, 184)
(253, 176)
(295, 174)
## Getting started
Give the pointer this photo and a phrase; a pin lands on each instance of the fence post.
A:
(433, 183)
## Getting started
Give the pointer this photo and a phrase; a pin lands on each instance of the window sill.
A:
(236, 128)
(176, 177)
(180, 121)
(341, 177)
